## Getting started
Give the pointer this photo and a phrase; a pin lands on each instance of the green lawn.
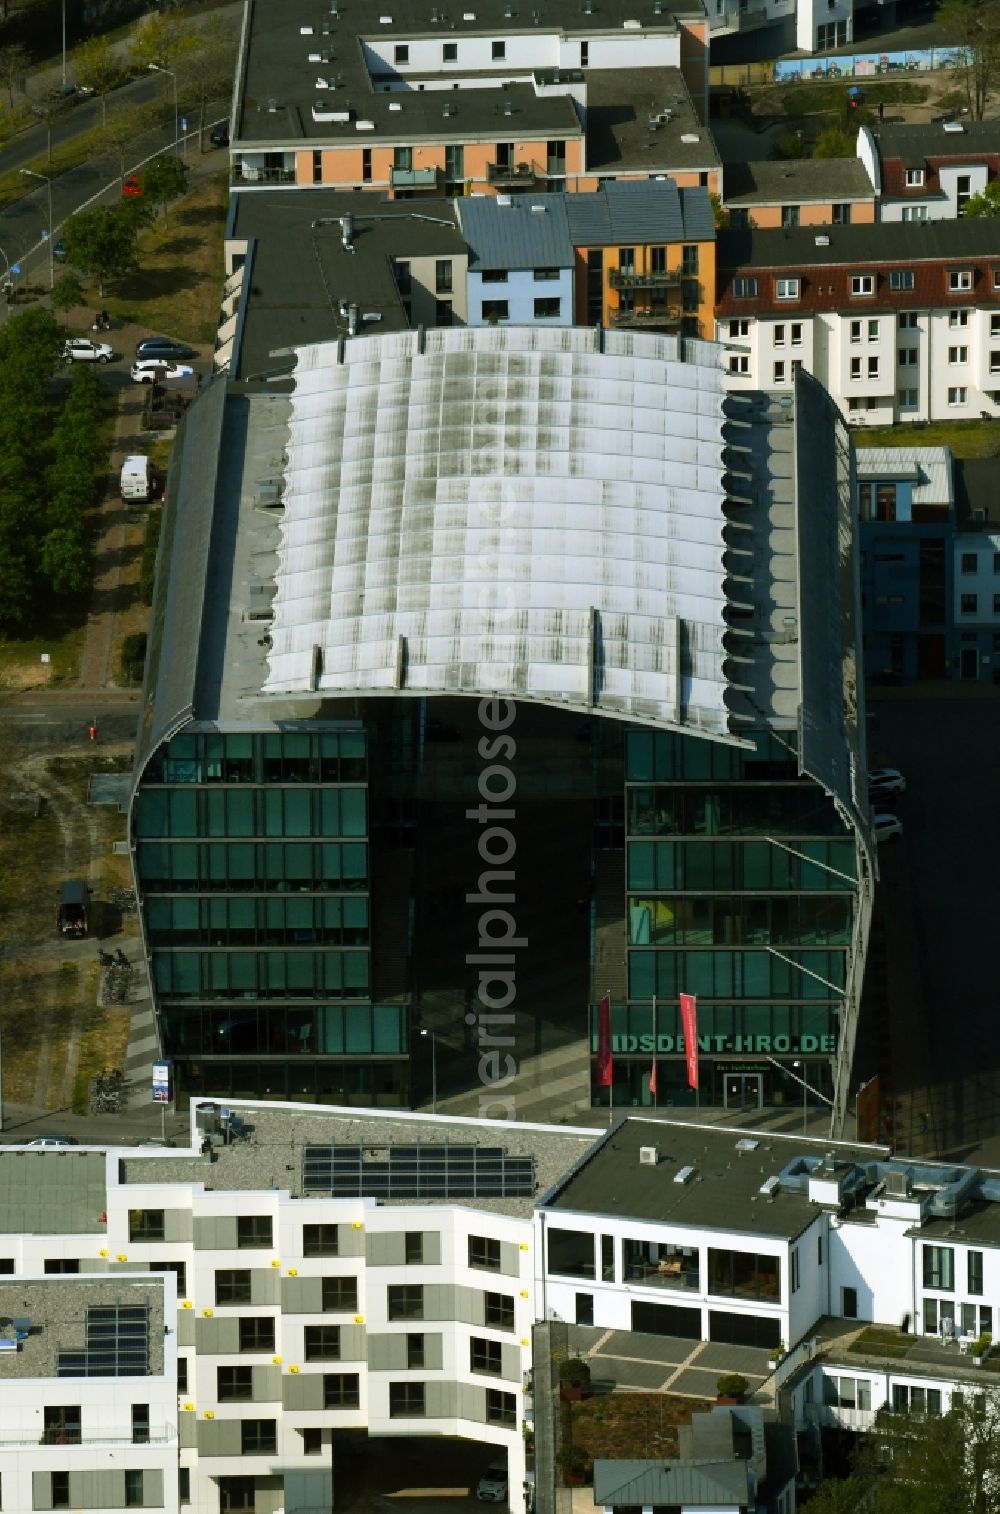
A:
(965, 438)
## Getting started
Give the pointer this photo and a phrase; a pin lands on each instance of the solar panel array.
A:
(117, 1344)
(421, 1171)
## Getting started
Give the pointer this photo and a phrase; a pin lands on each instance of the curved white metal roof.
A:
(510, 510)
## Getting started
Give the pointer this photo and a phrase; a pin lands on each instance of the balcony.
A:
(415, 178)
(511, 175)
(627, 278)
(248, 174)
(665, 319)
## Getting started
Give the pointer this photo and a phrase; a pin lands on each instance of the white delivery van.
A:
(137, 478)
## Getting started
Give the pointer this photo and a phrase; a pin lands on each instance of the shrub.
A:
(133, 656)
(147, 567)
(573, 1461)
(731, 1385)
(574, 1372)
(982, 1345)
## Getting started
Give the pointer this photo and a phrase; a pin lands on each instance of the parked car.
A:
(164, 347)
(146, 370)
(53, 1140)
(886, 781)
(59, 249)
(71, 912)
(492, 1486)
(132, 187)
(886, 827)
(80, 349)
(156, 1141)
(219, 135)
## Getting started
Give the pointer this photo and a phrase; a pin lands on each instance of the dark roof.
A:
(300, 271)
(725, 1187)
(516, 231)
(715, 1483)
(620, 106)
(279, 83)
(624, 211)
(883, 242)
(796, 181)
(977, 487)
(913, 143)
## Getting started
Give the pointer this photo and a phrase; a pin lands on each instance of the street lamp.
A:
(158, 68)
(31, 174)
(434, 1069)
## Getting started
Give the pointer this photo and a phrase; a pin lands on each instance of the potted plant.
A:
(731, 1388)
(775, 1355)
(980, 1348)
(573, 1464)
(574, 1377)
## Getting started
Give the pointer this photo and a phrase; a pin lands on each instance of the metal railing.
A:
(511, 173)
(415, 178)
(627, 278)
(57, 1438)
(252, 175)
(647, 316)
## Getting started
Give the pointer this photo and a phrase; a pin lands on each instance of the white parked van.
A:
(137, 478)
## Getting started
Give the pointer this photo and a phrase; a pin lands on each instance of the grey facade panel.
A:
(187, 1429)
(353, 1346)
(432, 1248)
(177, 1225)
(265, 1285)
(215, 1232)
(510, 1258)
(304, 1390)
(219, 1437)
(433, 1352)
(441, 1400)
(301, 1295)
(387, 1353)
(386, 1249)
(41, 1490)
(186, 1327)
(266, 1383)
(510, 1357)
(152, 1488)
(472, 1402)
(351, 1240)
(218, 1336)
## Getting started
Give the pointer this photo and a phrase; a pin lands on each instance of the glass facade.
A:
(251, 856)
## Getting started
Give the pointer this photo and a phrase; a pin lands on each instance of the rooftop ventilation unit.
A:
(746, 1143)
(631, 25)
(686, 1175)
(770, 1186)
(503, 200)
(897, 1185)
(953, 126)
(648, 1156)
(538, 210)
(822, 241)
(689, 138)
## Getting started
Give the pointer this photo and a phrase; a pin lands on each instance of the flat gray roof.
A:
(916, 141)
(882, 242)
(55, 1192)
(57, 1310)
(796, 181)
(725, 1187)
(620, 106)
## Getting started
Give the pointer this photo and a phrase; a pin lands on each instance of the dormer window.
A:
(786, 289)
(914, 178)
(862, 284)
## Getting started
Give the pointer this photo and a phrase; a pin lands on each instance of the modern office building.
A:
(639, 577)
(236, 1327)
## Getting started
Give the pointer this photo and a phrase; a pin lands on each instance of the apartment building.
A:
(976, 548)
(241, 1317)
(741, 29)
(797, 192)
(423, 100)
(929, 171)
(898, 324)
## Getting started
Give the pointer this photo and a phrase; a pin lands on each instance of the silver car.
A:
(492, 1486)
(80, 349)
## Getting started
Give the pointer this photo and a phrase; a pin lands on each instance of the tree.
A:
(974, 26)
(97, 68)
(917, 1464)
(834, 142)
(985, 203)
(65, 561)
(103, 242)
(162, 38)
(67, 292)
(208, 70)
(164, 179)
(120, 131)
(14, 62)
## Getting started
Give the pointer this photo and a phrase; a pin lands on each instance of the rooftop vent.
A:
(897, 1185)
(686, 1175)
(385, 20)
(503, 200)
(648, 1156)
(822, 241)
(690, 137)
(770, 1186)
(394, 105)
(631, 25)
(538, 210)
(953, 126)
(746, 1143)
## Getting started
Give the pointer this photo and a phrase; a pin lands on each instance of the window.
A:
(608, 1258)
(995, 325)
(996, 604)
(405, 1301)
(970, 562)
(59, 1490)
(184, 1484)
(862, 283)
(958, 395)
(401, 53)
(236, 1495)
(233, 1384)
(907, 399)
(484, 1252)
(901, 278)
(779, 335)
(366, 165)
(145, 1225)
(140, 1424)
(340, 1295)
(959, 280)
(742, 328)
(842, 215)
(498, 51)
(415, 1354)
(494, 275)
(485, 1356)
(571, 1253)
(873, 327)
(995, 361)
(786, 289)
(739, 363)
(402, 157)
(258, 1436)
(796, 333)
(544, 275)
(969, 604)
(320, 1240)
(61, 1425)
(855, 331)
(963, 191)
(312, 1442)
(855, 368)
(322, 1343)
(413, 1248)
(406, 1400)
(454, 162)
(939, 1267)
(744, 288)
(744, 1274)
(584, 54)
(914, 178)
(449, 52)
(496, 310)
(626, 259)
(443, 312)
(908, 320)
(958, 355)
(232, 1287)
(789, 215)
(819, 1250)
(443, 276)
(914, 213)
(341, 1390)
(909, 1399)
(847, 1392)
(499, 1311)
(907, 357)
(549, 308)
(253, 1230)
(996, 563)
(958, 318)
(257, 1333)
(689, 262)
(873, 367)
(54, 1264)
(795, 1269)
(849, 1303)
(501, 1408)
(779, 373)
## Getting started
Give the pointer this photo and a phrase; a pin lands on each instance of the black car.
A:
(165, 347)
(219, 135)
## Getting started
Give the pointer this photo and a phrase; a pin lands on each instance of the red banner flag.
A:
(689, 1021)
(652, 1080)
(605, 1060)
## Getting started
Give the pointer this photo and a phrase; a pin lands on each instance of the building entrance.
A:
(742, 1091)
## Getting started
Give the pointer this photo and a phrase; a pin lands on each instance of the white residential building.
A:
(928, 171)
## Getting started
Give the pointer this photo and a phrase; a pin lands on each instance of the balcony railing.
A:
(627, 278)
(415, 178)
(252, 175)
(511, 174)
(647, 316)
(54, 1438)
